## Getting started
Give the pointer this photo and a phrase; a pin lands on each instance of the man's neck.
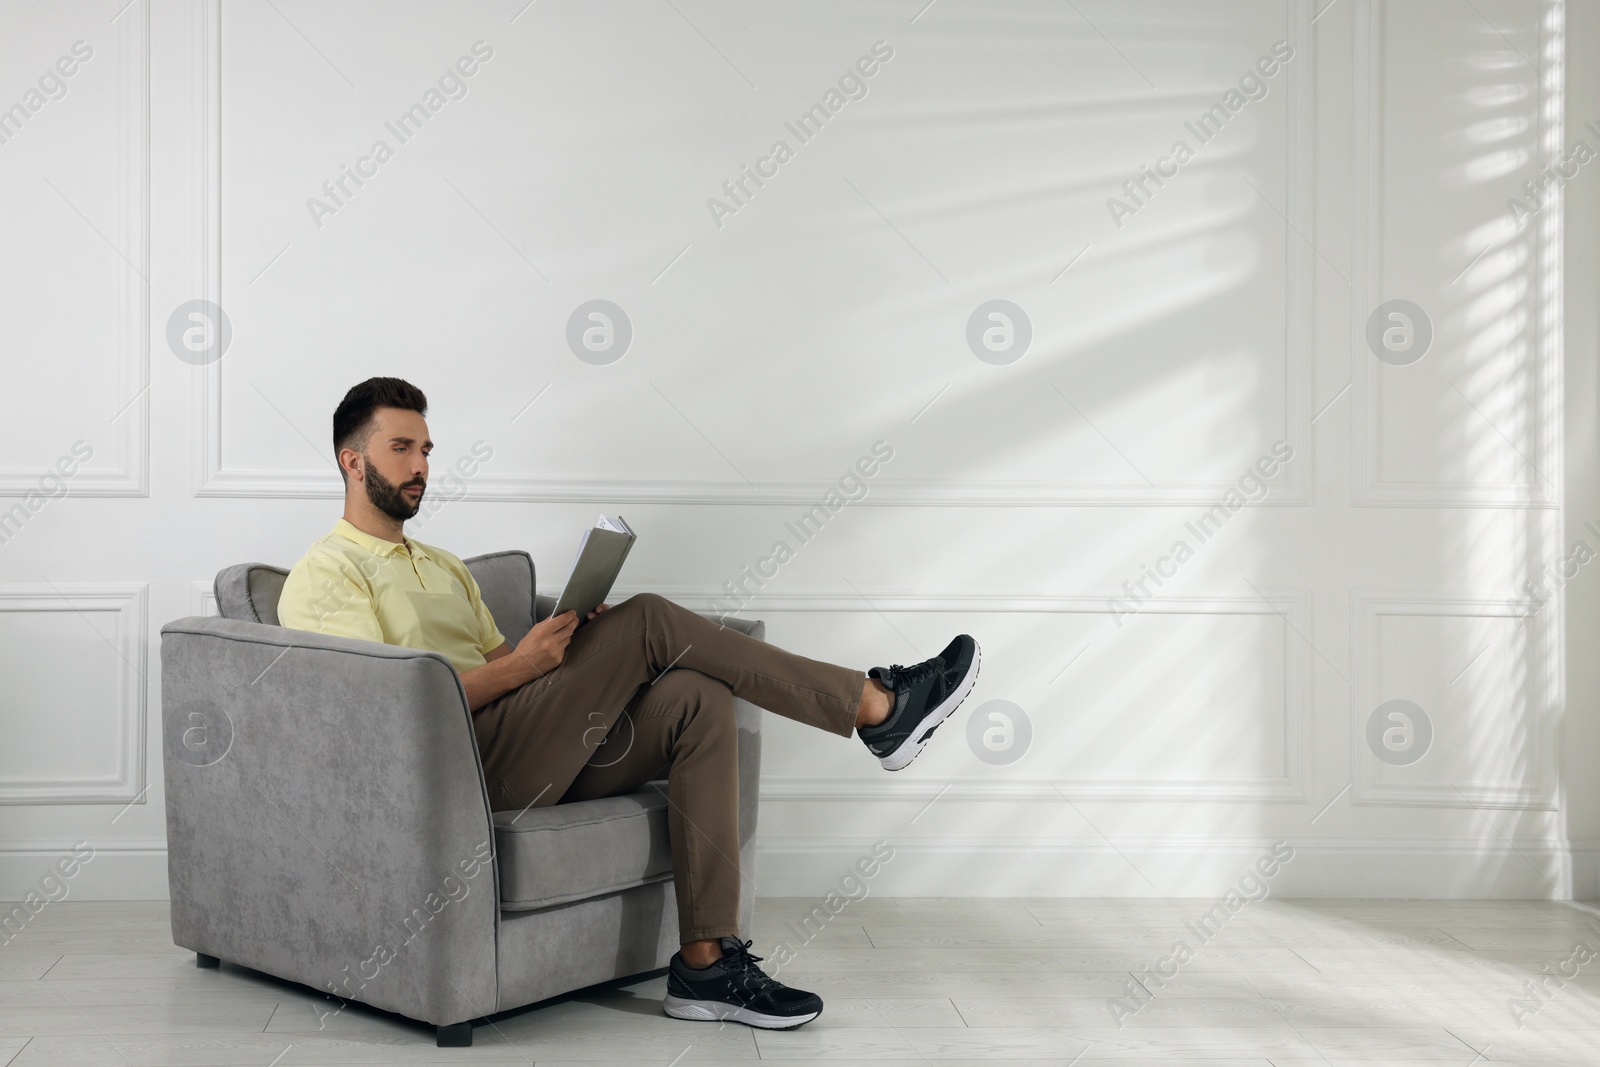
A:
(370, 520)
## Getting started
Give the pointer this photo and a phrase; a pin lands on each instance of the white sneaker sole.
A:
(710, 1011)
(901, 757)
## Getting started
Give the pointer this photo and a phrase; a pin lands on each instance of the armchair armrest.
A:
(327, 820)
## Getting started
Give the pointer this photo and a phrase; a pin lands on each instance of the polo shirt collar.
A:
(376, 545)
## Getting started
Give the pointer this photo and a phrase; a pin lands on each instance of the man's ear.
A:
(358, 469)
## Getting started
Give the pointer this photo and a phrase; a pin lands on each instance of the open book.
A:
(600, 554)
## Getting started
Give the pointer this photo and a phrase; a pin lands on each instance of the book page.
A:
(579, 554)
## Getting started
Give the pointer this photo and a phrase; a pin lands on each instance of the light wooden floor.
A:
(908, 981)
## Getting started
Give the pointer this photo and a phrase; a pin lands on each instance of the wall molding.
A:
(1540, 718)
(130, 426)
(1368, 489)
(1013, 789)
(205, 263)
(128, 603)
(203, 599)
(1198, 868)
(213, 478)
(1294, 605)
(131, 870)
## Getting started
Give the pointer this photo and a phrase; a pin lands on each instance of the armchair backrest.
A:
(250, 591)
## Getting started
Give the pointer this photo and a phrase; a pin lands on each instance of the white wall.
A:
(1174, 342)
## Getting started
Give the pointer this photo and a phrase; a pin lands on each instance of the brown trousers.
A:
(647, 687)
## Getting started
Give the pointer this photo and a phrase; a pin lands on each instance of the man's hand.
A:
(597, 611)
(545, 646)
(540, 652)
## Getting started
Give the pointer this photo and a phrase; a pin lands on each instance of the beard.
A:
(390, 498)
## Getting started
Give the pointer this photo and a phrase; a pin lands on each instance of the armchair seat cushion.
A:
(566, 852)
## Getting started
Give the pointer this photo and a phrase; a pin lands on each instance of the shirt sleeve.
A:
(324, 595)
(489, 635)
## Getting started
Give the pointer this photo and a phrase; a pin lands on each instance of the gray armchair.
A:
(327, 821)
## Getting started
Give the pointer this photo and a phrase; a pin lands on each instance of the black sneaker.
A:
(735, 988)
(924, 696)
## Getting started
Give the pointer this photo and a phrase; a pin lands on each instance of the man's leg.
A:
(535, 739)
(684, 724)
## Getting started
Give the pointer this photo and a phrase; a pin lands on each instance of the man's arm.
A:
(539, 653)
(504, 671)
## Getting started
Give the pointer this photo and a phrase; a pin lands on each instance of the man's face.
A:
(396, 461)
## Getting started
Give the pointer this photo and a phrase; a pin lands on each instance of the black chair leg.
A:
(456, 1035)
(202, 960)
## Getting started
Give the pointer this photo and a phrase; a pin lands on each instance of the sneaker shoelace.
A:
(914, 673)
(751, 979)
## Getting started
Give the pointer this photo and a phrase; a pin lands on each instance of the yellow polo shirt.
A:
(353, 584)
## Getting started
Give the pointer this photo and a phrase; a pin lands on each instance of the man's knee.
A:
(716, 715)
(703, 697)
(648, 603)
(654, 611)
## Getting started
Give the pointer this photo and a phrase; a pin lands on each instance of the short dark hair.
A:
(353, 418)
